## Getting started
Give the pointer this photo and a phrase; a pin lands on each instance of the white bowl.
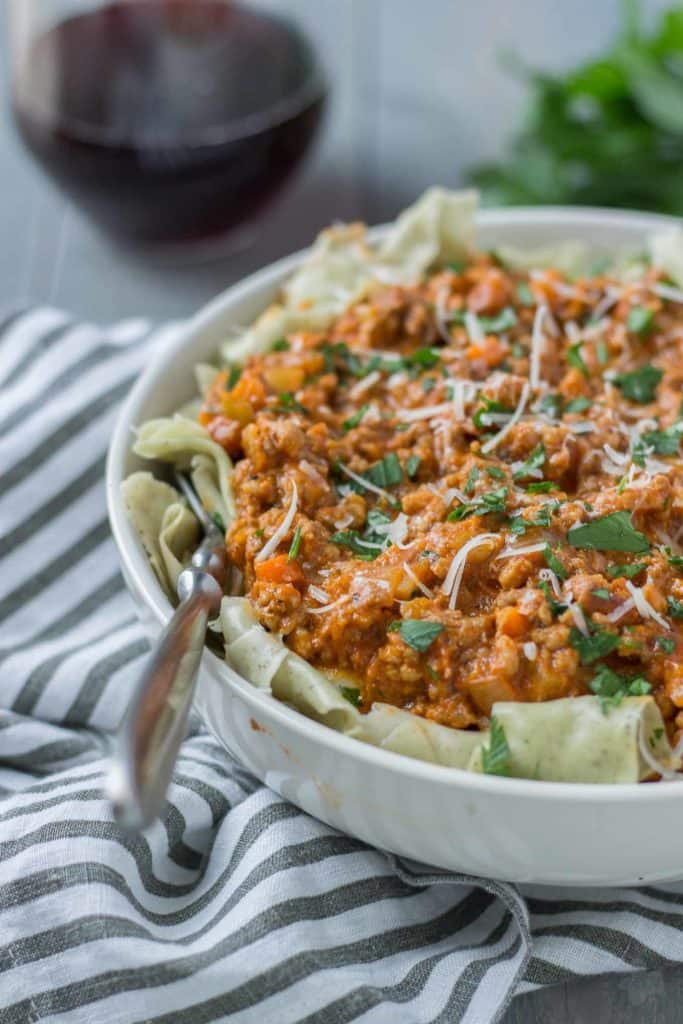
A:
(520, 830)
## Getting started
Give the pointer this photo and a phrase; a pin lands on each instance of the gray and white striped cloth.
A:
(236, 906)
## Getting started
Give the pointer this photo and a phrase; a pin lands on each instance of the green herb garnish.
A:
(551, 405)
(553, 562)
(419, 633)
(351, 694)
(640, 320)
(534, 462)
(675, 608)
(611, 688)
(481, 418)
(556, 607)
(412, 466)
(540, 487)
(496, 472)
(281, 345)
(627, 571)
(575, 359)
(639, 385)
(286, 402)
(491, 501)
(666, 644)
(472, 478)
(495, 758)
(295, 545)
(506, 319)
(578, 404)
(614, 532)
(590, 648)
(524, 294)
(354, 420)
(219, 521)
(233, 376)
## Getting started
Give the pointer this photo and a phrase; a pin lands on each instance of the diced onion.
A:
(497, 438)
(451, 585)
(530, 650)
(282, 530)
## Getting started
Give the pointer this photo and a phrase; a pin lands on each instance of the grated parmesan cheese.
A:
(521, 405)
(451, 585)
(282, 529)
(643, 606)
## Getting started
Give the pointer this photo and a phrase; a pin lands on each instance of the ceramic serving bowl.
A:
(524, 831)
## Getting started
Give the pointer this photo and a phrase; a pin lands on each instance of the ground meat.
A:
(388, 439)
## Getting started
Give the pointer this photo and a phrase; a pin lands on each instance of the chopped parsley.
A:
(534, 462)
(675, 608)
(556, 607)
(353, 421)
(611, 688)
(385, 473)
(281, 345)
(614, 532)
(369, 544)
(666, 644)
(639, 385)
(457, 266)
(496, 472)
(495, 758)
(506, 319)
(518, 525)
(491, 501)
(627, 571)
(524, 294)
(472, 478)
(602, 593)
(219, 521)
(575, 359)
(659, 442)
(553, 562)
(602, 352)
(540, 487)
(412, 466)
(551, 405)
(286, 402)
(674, 560)
(233, 376)
(578, 404)
(295, 545)
(482, 419)
(351, 694)
(590, 648)
(419, 633)
(640, 320)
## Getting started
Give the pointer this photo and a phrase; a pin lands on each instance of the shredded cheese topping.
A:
(451, 585)
(494, 441)
(282, 530)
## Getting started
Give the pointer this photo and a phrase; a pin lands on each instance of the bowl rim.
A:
(137, 568)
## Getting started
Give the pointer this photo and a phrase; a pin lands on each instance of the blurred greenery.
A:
(608, 133)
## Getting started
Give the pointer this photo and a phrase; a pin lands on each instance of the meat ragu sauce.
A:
(482, 402)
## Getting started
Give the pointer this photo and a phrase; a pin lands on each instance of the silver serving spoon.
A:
(155, 723)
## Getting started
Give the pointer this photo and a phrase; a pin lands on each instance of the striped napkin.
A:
(236, 906)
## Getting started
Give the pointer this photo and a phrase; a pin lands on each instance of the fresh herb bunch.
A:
(608, 133)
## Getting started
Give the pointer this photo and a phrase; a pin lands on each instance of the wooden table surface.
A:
(392, 129)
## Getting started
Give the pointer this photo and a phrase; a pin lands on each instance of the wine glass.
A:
(172, 123)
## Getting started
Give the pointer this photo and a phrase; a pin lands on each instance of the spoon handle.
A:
(155, 722)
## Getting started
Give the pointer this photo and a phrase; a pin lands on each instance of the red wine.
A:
(170, 120)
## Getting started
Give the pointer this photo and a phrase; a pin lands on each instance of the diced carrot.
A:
(513, 622)
(279, 569)
(491, 350)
